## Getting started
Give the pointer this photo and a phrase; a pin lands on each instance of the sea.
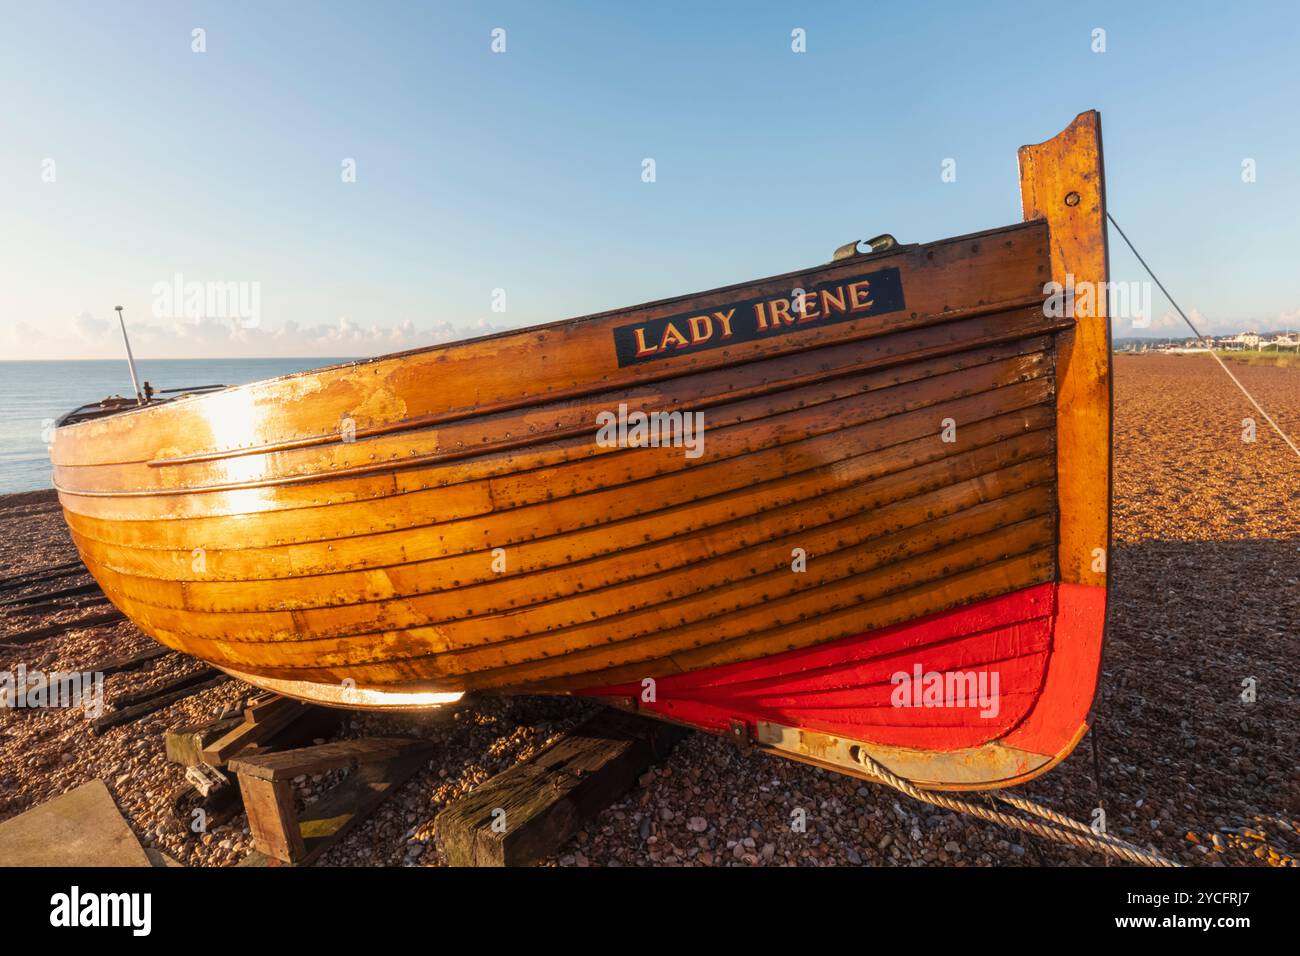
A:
(34, 394)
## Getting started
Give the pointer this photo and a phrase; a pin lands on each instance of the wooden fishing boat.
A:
(889, 539)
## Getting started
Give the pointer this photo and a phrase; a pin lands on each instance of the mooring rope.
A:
(1065, 830)
(1196, 332)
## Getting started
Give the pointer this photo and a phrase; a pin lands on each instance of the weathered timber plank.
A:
(547, 798)
(328, 820)
(266, 707)
(184, 745)
(53, 630)
(50, 573)
(131, 698)
(46, 596)
(271, 819)
(290, 763)
(245, 735)
(77, 604)
(130, 661)
(128, 714)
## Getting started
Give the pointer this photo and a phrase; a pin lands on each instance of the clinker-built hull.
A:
(888, 537)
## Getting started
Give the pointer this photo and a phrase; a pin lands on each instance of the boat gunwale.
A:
(421, 422)
(574, 321)
(432, 459)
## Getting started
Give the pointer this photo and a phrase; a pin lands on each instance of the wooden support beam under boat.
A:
(528, 812)
(380, 765)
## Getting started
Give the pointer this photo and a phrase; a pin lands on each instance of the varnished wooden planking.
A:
(881, 478)
(902, 594)
(1015, 329)
(940, 548)
(822, 463)
(398, 611)
(248, 527)
(639, 610)
(562, 359)
(574, 498)
(1005, 379)
(603, 522)
(351, 459)
(913, 592)
(564, 597)
(510, 468)
(553, 420)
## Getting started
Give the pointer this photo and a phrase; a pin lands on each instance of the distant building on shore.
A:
(1249, 341)
(1283, 340)
(1240, 342)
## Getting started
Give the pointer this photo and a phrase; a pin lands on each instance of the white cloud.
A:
(90, 329)
(88, 337)
(1289, 321)
(1171, 325)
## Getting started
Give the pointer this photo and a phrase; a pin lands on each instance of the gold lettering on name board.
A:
(671, 334)
(829, 298)
(725, 319)
(809, 307)
(701, 328)
(857, 296)
(780, 309)
(838, 301)
(641, 348)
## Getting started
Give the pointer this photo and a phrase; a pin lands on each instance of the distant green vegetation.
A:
(1281, 359)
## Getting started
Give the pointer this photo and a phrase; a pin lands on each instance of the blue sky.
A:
(521, 170)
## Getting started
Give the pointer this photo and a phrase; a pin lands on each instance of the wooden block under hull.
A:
(528, 812)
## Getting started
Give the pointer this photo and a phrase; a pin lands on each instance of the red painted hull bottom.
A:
(1018, 670)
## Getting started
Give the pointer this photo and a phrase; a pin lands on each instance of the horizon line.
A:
(227, 358)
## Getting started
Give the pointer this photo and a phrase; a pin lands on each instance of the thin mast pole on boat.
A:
(130, 359)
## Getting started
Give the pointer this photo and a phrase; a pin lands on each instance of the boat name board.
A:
(839, 300)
